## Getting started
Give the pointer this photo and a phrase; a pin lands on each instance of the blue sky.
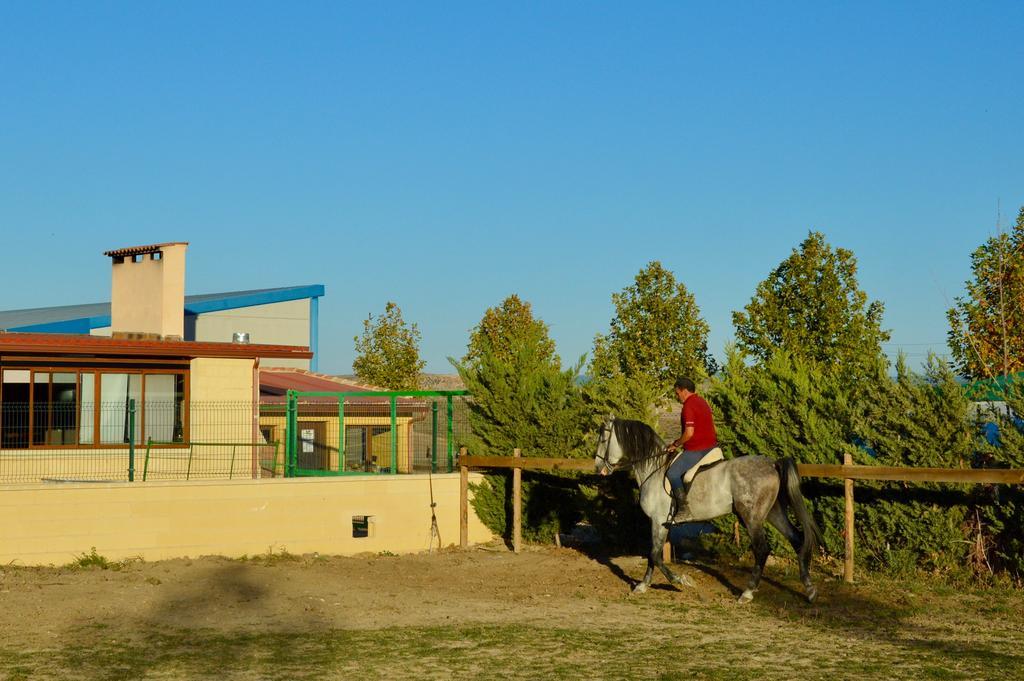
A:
(446, 155)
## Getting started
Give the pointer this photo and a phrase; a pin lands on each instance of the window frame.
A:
(97, 371)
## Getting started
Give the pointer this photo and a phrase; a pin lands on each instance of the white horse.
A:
(755, 488)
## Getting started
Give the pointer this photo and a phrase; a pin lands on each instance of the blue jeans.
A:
(683, 463)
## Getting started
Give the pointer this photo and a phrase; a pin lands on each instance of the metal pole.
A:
(290, 434)
(131, 440)
(341, 433)
(433, 436)
(231, 471)
(394, 434)
(145, 462)
(451, 444)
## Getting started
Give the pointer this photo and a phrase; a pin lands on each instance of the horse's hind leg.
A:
(778, 518)
(759, 543)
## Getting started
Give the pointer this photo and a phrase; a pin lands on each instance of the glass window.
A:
(356, 448)
(46, 407)
(64, 409)
(116, 392)
(165, 408)
(87, 411)
(40, 408)
(15, 396)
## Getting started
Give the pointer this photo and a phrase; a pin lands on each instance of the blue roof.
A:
(84, 318)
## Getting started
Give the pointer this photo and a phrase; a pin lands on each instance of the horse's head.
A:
(609, 453)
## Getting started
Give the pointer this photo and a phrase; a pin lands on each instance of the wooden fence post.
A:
(463, 499)
(517, 505)
(848, 517)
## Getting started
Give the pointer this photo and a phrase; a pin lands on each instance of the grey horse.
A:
(756, 488)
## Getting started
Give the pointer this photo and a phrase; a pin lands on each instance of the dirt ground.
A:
(486, 613)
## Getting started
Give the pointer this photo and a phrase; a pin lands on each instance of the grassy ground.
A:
(554, 614)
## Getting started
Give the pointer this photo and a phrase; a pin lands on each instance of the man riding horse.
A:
(698, 438)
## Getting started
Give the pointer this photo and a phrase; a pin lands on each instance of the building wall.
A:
(148, 296)
(285, 323)
(52, 524)
(402, 424)
(221, 380)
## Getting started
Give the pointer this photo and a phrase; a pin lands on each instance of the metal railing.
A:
(366, 432)
(310, 434)
(129, 441)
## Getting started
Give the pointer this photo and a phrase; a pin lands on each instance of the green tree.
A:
(521, 398)
(811, 306)
(1001, 508)
(791, 406)
(657, 331)
(986, 327)
(504, 329)
(388, 353)
(656, 336)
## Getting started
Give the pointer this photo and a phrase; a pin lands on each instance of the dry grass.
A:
(547, 613)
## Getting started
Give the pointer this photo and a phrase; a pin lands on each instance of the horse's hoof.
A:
(639, 589)
(746, 596)
(812, 593)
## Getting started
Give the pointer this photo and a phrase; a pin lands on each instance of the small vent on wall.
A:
(362, 526)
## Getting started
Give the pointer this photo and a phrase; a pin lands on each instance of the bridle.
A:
(605, 439)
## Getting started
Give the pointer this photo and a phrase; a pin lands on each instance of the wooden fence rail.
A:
(846, 472)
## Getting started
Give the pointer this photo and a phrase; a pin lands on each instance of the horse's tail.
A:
(790, 479)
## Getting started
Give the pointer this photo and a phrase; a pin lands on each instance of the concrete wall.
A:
(52, 524)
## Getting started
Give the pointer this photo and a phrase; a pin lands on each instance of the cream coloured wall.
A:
(149, 296)
(221, 380)
(221, 410)
(52, 524)
(285, 323)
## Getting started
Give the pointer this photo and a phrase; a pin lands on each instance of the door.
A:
(313, 454)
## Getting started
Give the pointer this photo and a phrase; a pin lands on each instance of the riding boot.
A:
(679, 497)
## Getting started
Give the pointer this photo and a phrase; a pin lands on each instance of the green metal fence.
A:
(305, 434)
(373, 432)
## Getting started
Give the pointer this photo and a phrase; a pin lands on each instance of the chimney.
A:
(147, 297)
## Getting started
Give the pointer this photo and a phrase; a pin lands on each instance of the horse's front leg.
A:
(659, 534)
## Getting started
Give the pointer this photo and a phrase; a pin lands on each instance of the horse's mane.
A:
(639, 441)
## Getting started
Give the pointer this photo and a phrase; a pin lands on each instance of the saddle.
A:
(713, 457)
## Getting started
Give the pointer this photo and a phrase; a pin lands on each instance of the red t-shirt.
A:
(696, 412)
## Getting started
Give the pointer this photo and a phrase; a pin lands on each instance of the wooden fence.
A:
(846, 472)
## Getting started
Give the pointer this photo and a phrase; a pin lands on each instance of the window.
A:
(368, 448)
(165, 407)
(52, 407)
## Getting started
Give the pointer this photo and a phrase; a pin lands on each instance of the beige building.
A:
(76, 406)
(155, 275)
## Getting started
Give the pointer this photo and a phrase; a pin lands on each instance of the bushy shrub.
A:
(550, 505)
(793, 407)
(523, 398)
(1001, 508)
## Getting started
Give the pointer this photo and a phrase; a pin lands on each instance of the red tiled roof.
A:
(280, 380)
(142, 250)
(275, 382)
(82, 345)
